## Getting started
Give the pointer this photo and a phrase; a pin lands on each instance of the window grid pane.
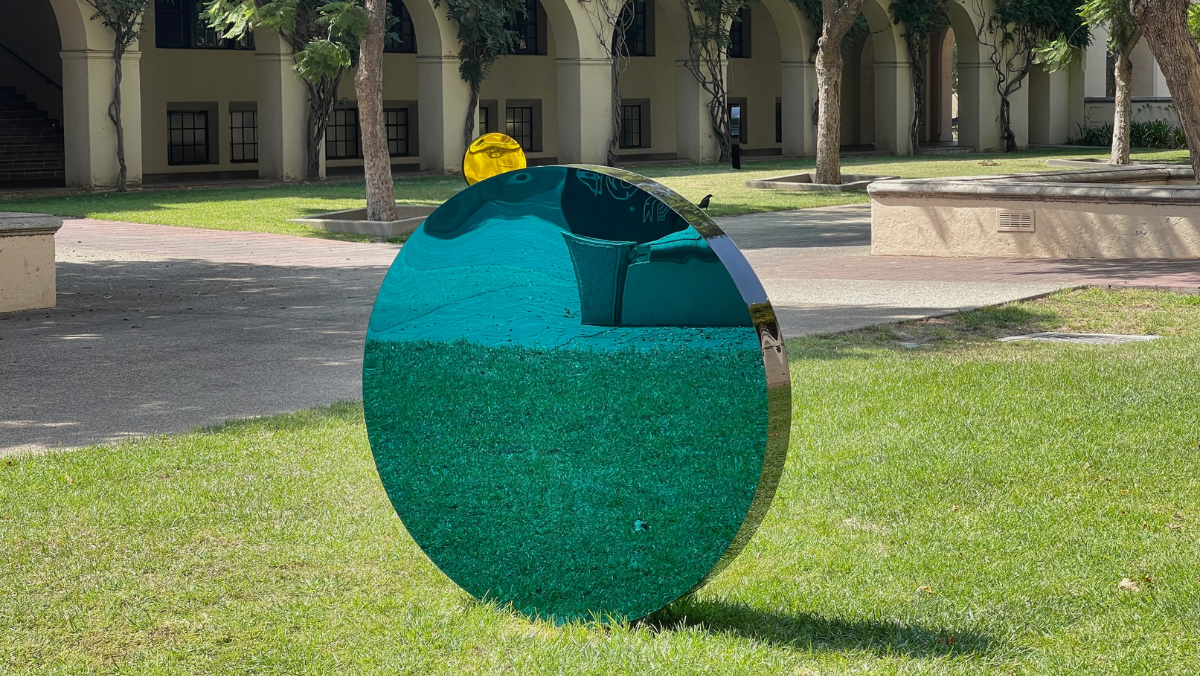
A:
(205, 37)
(484, 120)
(341, 135)
(526, 29)
(519, 123)
(405, 41)
(243, 136)
(180, 24)
(631, 126)
(736, 34)
(635, 36)
(187, 138)
(395, 122)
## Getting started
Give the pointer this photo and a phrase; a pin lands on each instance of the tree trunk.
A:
(114, 114)
(368, 86)
(321, 98)
(1164, 24)
(829, 106)
(916, 57)
(614, 142)
(1121, 106)
(469, 125)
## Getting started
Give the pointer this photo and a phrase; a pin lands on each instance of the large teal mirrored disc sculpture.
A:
(576, 393)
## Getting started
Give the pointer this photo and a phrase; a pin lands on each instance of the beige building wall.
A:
(652, 78)
(192, 79)
(567, 85)
(400, 90)
(523, 80)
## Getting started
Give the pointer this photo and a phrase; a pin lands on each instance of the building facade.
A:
(197, 104)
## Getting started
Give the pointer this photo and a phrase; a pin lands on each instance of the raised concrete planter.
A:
(1127, 212)
(27, 261)
(805, 182)
(1094, 163)
(354, 221)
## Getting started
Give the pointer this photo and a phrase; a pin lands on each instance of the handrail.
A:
(30, 66)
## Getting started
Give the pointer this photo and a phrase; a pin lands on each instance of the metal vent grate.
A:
(1080, 338)
(1015, 221)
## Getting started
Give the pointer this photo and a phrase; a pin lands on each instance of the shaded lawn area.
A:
(964, 507)
(266, 209)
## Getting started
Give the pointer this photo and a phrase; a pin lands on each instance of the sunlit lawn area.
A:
(266, 209)
(959, 507)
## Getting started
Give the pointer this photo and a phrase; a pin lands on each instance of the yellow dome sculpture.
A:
(490, 155)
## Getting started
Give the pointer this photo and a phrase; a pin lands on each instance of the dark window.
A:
(485, 122)
(737, 116)
(526, 28)
(519, 125)
(395, 124)
(402, 38)
(243, 136)
(778, 122)
(739, 35)
(180, 24)
(631, 126)
(187, 137)
(634, 16)
(341, 135)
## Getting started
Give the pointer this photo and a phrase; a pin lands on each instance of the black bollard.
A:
(735, 154)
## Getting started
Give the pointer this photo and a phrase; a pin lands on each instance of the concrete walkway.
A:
(161, 329)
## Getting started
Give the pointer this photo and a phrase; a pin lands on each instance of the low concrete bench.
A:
(1147, 211)
(27, 260)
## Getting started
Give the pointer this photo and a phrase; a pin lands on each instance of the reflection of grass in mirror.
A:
(946, 510)
(525, 474)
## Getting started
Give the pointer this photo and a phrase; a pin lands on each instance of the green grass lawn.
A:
(959, 507)
(266, 209)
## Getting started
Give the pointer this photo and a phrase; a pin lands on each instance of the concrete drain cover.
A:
(1081, 338)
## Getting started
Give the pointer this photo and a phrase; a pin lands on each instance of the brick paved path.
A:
(161, 329)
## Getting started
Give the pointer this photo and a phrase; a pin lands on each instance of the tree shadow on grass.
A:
(805, 632)
(951, 331)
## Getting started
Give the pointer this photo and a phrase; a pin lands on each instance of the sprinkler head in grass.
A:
(491, 155)
(576, 393)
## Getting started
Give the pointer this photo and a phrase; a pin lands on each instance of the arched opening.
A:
(968, 91)
(941, 82)
(31, 97)
(755, 83)
(858, 89)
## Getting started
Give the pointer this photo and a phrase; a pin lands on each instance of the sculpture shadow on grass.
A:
(810, 633)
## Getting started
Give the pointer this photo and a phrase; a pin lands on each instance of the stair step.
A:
(31, 144)
(947, 150)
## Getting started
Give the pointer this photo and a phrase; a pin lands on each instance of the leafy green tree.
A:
(922, 19)
(1012, 33)
(708, 44)
(124, 18)
(1123, 36)
(484, 34)
(324, 37)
